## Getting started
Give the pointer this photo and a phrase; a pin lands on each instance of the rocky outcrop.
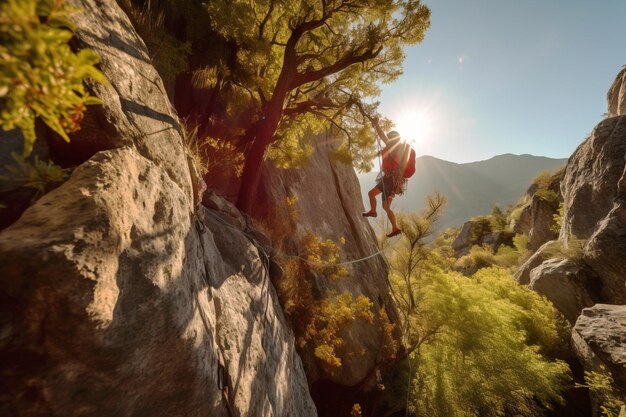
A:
(473, 233)
(542, 218)
(616, 96)
(462, 243)
(591, 176)
(524, 223)
(117, 296)
(599, 339)
(605, 251)
(329, 205)
(522, 274)
(567, 284)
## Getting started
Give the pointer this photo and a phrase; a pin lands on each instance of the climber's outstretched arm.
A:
(379, 130)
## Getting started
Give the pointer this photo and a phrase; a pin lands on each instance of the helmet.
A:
(393, 135)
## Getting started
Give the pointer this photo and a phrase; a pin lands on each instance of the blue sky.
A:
(505, 76)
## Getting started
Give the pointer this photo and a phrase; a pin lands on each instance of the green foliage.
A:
(317, 321)
(477, 258)
(334, 313)
(498, 219)
(320, 253)
(573, 251)
(313, 57)
(479, 346)
(483, 360)
(547, 179)
(558, 219)
(40, 176)
(481, 226)
(602, 387)
(40, 76)
(549, 196)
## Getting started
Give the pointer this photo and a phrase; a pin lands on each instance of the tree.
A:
(478, 346)
(308, 63)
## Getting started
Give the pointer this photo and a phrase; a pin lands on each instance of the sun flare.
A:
(415, 125)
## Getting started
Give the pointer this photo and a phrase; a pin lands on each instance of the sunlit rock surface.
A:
(117, 296)
(599, 339)
(329, 204)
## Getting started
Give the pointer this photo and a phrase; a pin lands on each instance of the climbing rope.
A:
(272, 249)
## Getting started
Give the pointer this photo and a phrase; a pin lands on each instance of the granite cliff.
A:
(122, 295)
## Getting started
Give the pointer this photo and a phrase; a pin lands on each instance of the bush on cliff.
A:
(478, 346)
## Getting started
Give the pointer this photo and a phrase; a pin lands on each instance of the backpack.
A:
(409, 168)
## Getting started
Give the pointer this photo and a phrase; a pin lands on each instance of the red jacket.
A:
(392, 157)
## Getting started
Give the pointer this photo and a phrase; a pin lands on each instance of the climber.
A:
(398, 164)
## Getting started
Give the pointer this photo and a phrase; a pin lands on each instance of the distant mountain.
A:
(472, 188)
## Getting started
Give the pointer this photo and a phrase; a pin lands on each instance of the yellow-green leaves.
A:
(40, 76)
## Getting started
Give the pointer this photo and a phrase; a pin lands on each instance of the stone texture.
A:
(462, 242)
(566, 284)
(104, 296)
(599, 339)
(591, 176)
(114, 299)
(522, 274)
(616, 97)
(606, 249)
(329, 204)
(541, 213)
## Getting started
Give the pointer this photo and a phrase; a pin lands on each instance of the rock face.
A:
(541, 213)
(605, 251)
(591, 177)
(616, 96)
(117, 296)
(329, 205)
(567, 284)
(599, 339)
(594, 190)
(468, 237)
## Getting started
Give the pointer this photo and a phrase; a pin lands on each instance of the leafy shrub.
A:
(40, 76)
(488, 356)
(477, 258)
(481, 226)
(573, 251)
(549, 196)
(558, 219)
(602, 386)
(479, 346)
(40, 176)
(319, 253)
(498, 219)
(333, 313)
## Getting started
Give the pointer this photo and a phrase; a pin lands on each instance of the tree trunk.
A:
(252, 167)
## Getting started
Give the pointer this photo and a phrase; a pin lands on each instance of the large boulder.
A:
(606, 249)
(522, 274)
(329, 205)
(542, 218)
(117, 296)
(616, 97)
(462, 243)
(599, 340)
(567, 284)
(591, 177)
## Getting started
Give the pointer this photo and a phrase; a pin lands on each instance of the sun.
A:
(415, 125)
